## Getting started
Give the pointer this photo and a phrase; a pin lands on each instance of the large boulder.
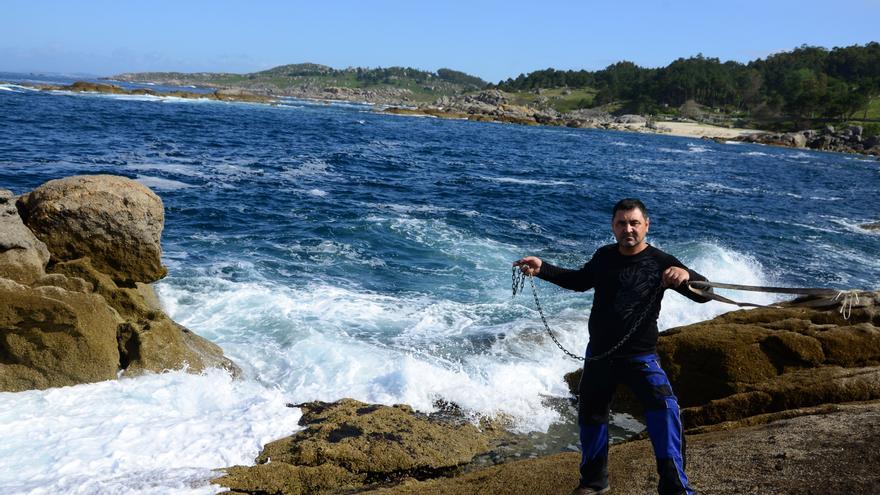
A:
(114, 221)
(51, 336)
(87, 319)
(23, 257)
(349, 443)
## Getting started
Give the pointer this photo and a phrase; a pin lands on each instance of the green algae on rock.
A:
(764, 360)
(354, 444)
(69, 321)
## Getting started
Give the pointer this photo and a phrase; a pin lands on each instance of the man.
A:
(629, 278)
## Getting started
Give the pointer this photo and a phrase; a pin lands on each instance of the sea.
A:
(335, 251)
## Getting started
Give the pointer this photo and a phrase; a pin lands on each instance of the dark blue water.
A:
(336, 251)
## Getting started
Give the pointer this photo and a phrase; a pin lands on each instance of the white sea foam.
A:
(155, 434)
(311, 168)
(162, 184)
(718, 264)
(714, 186)
(692, 148)
(325, 342)
(490, 356)
(529, 182)
(320, 193)
(171, 168)
(16, 88)
(697, 148)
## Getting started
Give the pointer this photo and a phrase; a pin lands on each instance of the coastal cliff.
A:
(77, 258)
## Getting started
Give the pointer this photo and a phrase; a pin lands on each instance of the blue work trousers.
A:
(643, 375)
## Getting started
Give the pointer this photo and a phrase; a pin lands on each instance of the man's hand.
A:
(675, 276)
(529, 265)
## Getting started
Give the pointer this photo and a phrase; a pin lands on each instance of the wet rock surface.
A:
(830, 449)
(86, 315)
(776, 400)
(350, 444)
(752, 362)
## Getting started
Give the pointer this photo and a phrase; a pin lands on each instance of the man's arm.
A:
(577, 280)
(677, 276)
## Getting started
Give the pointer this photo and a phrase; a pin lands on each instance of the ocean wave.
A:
(162, 184)
(691, 149)
(716, 187)
(528, 182)
(408, 209)
(718, 264)
(325, 342)
(169, 168)
(154, 434)
(17, 88)
(309, 169)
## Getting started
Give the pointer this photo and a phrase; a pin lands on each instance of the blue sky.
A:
(491, 39)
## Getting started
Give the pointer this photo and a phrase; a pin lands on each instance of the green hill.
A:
(297, 79)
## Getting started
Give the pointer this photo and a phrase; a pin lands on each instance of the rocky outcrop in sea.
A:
(223, 94)
(77, 257)
(349, 445)
(376, 96)
(850, 139)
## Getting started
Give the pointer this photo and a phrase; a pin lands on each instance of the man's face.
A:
(630, 228)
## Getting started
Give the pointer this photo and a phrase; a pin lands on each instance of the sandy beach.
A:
(693, 129)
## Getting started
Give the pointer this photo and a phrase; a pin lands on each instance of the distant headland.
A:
(808, 97)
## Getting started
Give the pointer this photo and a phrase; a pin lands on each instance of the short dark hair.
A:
(627, 204)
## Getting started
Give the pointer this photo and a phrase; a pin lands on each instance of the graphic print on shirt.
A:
(636, 283)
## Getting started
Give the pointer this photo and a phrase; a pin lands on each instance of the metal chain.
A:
(518, 283)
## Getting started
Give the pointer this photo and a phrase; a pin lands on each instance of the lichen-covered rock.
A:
(148, 339)
(750, 362)
(370, 443)
(52, 337)
(86, 319)
(23, 257)
(113, 220)
(285, 479)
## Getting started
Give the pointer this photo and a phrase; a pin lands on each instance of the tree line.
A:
(376, 76)
(808, 82)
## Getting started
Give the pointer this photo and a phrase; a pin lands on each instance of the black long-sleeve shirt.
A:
(623, 285)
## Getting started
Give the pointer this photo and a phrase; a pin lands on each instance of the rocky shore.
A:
(783, 401)
(494, 106)
(219, 94)
(77, 257)
(845, 140)
(774, 400)
(375, 96)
